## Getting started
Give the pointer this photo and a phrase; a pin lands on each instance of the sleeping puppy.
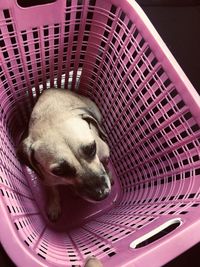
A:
(65, 145)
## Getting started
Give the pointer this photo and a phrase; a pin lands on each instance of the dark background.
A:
(178, 23)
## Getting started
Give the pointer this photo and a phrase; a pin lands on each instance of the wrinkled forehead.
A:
(77, 132)
(63, 142)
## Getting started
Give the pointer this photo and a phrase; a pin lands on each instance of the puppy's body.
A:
(55, 106)
(65, 145)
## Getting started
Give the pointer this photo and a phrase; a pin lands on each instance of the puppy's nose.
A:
(102, 188)
(101, 194)
(97, 190)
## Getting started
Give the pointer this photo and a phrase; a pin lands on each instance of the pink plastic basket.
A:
(110, 52)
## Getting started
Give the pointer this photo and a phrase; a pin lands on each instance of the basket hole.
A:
(26, 243)
(113, 9)
(41, 256)
(29, 3)
(111, 254)
(156, 234)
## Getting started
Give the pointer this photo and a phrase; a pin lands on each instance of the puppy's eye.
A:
(90, 150)
(64, 169)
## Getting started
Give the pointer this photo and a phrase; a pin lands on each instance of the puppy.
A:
(65, 145)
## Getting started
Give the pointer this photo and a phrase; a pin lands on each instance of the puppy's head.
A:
(73, 153)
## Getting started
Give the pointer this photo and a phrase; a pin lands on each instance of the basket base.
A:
(75, 210)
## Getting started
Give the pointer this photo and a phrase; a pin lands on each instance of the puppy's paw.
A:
(54, 211)
(93, 262)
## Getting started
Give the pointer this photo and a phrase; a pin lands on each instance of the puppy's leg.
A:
(53, 208)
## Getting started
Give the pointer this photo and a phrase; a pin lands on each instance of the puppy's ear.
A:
(90, 119)
(24, 152)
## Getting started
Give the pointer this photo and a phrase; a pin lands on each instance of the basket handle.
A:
(156, 233)
(30, 3)
(36, 15)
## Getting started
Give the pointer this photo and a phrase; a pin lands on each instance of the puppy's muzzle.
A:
(96, 190)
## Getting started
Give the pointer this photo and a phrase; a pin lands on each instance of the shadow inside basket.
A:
(75, 210)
